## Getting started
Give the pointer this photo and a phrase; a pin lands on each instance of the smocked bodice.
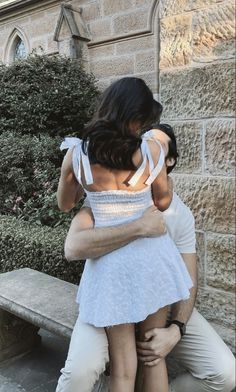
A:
(117, 206)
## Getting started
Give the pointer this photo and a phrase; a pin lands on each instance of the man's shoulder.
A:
(177, 206)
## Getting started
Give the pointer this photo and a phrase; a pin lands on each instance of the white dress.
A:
(130, 283)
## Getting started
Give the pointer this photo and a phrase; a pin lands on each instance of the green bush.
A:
(29, 172)
(40, 248)
(42, 99)
(44, 94)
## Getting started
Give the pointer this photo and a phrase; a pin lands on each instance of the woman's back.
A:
(105, 179)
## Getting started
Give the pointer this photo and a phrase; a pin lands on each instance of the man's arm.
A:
(84, 241)
(161, 341)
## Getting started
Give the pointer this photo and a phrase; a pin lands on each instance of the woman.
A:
(123, 174)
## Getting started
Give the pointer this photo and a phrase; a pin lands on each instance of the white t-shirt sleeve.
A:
(185, 237)
(181, 225)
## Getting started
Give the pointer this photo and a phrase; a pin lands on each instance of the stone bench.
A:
(30, 300)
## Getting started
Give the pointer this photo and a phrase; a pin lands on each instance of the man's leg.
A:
(209, 363)
(86, 360)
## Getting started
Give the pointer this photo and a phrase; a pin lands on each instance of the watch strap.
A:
(180, 325)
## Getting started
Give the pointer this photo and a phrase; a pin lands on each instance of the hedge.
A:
(42, 99)
(37, 247)
(43, 94)
(29, 173)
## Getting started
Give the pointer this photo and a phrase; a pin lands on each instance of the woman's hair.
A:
(111, 141)
(172, 151)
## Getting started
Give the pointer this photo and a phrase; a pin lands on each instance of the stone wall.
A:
(35, 24)
(124, 39)
(184, 50)
(197, 92)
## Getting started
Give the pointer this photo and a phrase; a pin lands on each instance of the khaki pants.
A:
(208, 362)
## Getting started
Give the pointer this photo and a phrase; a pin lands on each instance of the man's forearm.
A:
(182, 310)
(103, 240)
(84, 242)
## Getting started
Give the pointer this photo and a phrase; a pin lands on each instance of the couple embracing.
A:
(136, 270)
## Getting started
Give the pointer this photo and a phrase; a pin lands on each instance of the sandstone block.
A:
(130, 22)
(113, 7)
(135, 45)
(145, 62)
(104, 83)
(91, 11)
(105, 68)
(217, 306)
(200, 242)
(174, 7)
(211, 200)
(4, 34)
(52, 46)
(39, 44)
(175, 38)
(142, 2)
(196, 4)
(220, 147)
(39, 28)
(150, 78)
(38, 15)
(198, 92)
(101, 51)
(214, 32)
(189, 143)
(221, 261)
(100, 28)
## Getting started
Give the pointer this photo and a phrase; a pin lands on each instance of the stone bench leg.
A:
(17, 336)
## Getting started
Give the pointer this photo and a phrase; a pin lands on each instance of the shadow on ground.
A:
(37, 371)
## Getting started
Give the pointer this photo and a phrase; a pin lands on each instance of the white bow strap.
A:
(134, 179)
(156, 170)
(69, 142)
(86, 166)
(146, 154)
(78, 158)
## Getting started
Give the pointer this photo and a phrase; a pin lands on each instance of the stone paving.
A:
(37, 371)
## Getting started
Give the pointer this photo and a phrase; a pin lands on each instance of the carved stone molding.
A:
(71, 25)
(148, 30)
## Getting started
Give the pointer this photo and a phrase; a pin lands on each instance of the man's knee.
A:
(223, 380)
(226, 377)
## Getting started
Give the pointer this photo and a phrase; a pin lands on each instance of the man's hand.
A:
(152, 223)
(158, 343)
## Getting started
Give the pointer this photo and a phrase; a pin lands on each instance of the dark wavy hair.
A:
(172, 145)
(111, 141)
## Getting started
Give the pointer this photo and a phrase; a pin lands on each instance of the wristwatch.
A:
(182, 326)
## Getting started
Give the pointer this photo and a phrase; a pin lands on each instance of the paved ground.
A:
(37, 371)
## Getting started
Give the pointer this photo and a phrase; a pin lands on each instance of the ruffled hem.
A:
(139, 318)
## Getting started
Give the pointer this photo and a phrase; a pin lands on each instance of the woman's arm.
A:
(162, 187)
(69, 191)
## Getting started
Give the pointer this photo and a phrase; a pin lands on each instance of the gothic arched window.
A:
(19, 51)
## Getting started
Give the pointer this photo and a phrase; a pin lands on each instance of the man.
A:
(208, 362)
